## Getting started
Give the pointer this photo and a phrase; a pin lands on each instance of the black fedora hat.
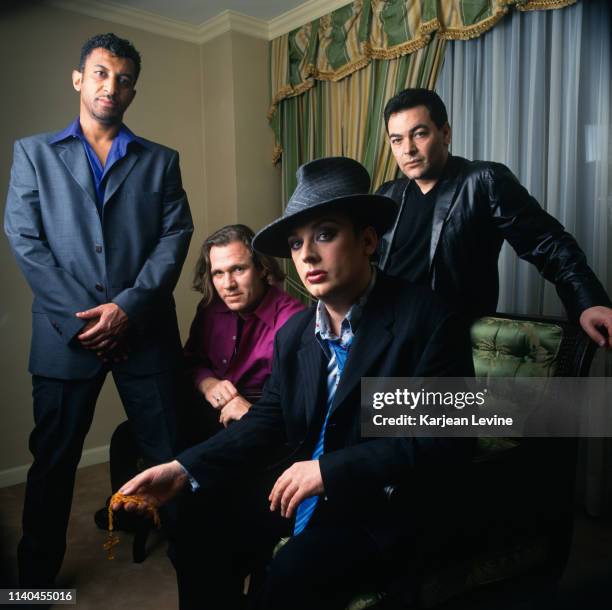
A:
(330, 184)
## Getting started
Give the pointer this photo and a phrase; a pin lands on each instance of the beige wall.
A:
(238, 141)
(219, 127)
(258, 182)
(208, 102)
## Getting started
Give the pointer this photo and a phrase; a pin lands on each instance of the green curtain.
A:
(350, 38)
(332, 77)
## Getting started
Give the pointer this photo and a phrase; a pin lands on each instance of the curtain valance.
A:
(346, 40)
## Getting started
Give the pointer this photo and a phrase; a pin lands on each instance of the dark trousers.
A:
(63, 411)
(223, 537)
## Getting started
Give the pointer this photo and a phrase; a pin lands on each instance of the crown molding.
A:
(302, 14)
(224, 22)
(131, 17)
(232, 21)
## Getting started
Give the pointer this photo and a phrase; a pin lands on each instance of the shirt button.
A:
(224, 361)
(99, 287)
(98, 249)
(234, 338)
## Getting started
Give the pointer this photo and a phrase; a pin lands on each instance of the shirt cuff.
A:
(199, 374)
(192, 482)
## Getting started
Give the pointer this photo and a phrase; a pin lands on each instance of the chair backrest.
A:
(520, 346)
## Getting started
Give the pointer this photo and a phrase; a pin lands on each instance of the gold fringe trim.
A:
(289, 91)
(473, 31)
(427, 27)
(343, 72)
(401, 49)
(537, 5)
(369, 53)
(425, 30)
(277, 153)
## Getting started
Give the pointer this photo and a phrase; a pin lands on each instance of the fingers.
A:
(289, 508)
(100, 344)
(607, 324)
(95, 312)
(589, 325)
(594, 334)
(111, 322)
(92, 334)
(224, 418)
(226, 391)
(597, 322)
(222, 393)
(278, 489)
(105, 349)
(286, 495)
(291, 497)
(139, 483)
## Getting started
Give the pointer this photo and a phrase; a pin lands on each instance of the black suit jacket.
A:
(405, 331)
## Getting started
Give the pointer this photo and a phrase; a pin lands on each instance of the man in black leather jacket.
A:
(455, 214)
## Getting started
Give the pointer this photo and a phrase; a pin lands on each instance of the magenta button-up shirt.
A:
(212, 341)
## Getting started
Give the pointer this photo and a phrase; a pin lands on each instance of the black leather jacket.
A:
(478, 206)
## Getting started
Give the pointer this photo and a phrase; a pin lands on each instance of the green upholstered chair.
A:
(519, 514)
(512, 515)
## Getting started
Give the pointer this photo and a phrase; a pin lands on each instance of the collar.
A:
(348, 326)
(124, 136)
(265, 311)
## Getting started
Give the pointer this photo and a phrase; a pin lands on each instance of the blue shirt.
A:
(336, 348)
(99, 172)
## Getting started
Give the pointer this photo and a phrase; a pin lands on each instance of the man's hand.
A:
(593, 320)
(234, 410)
(156, 485)
(218, 392)
(105, 325)
(301, 480)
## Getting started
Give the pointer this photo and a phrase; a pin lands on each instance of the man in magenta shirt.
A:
(231, 340)
(229, 350)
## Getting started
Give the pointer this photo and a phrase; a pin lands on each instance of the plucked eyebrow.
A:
(315, 225)
(324, 220)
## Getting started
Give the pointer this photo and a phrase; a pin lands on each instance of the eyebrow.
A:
(120, 73)
(316, 224)
(230, 268)
(411, 130)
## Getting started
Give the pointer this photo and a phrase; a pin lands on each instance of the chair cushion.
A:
(515, 348)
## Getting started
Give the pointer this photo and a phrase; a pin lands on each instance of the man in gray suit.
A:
(99, 223)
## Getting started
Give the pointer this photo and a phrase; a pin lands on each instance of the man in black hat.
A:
(331, 490)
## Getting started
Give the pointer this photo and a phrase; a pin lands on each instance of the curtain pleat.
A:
(535, 94)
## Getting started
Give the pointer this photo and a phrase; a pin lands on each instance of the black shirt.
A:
(409, 257)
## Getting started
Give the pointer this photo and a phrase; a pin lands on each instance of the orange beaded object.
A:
(149, 510)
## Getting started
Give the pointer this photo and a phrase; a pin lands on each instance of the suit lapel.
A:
(444, 202)
(119, 173)
(74, 158)
(371, 339)
(312, 370)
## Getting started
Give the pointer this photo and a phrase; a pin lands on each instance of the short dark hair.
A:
(411, 98)
(202, 280)
(120, 47)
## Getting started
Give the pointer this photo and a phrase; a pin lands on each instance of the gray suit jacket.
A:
(73, 259)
